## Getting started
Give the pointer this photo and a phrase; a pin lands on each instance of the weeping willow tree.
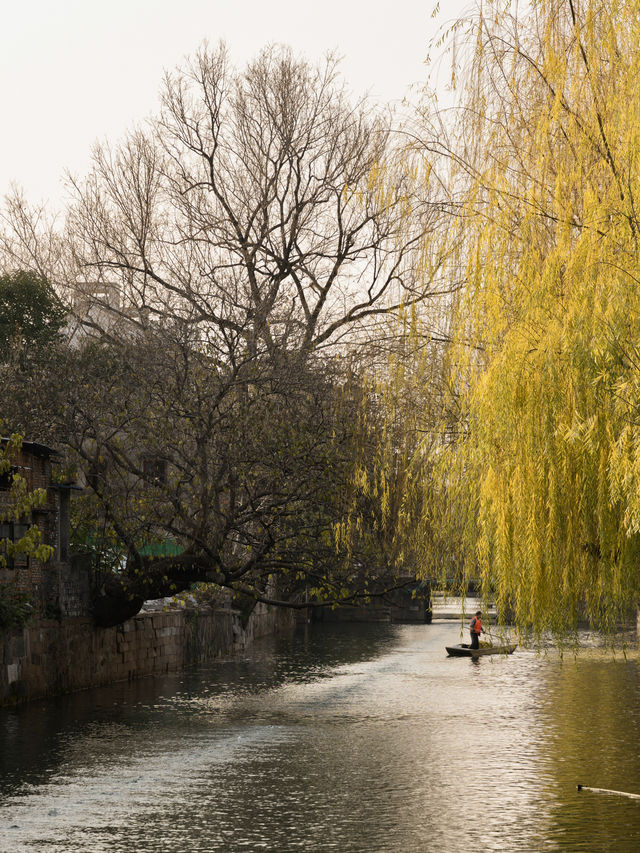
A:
(402, 399)
(543, 475)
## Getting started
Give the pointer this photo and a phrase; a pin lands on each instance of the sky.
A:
(73, 72)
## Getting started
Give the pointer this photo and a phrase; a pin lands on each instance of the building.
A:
(57, 587)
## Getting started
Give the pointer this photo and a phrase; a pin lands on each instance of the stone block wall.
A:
(50, 657)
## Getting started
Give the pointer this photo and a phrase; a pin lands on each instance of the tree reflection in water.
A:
(345, 737)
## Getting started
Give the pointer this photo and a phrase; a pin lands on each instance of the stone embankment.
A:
(50, 657)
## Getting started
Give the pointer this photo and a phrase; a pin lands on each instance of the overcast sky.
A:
(76, 71)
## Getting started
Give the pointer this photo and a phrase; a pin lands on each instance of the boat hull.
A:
(461, 651)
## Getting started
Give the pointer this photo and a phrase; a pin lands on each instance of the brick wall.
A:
(39, 581)
(51, 657)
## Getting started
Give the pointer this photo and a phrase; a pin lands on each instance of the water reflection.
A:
(349, 738)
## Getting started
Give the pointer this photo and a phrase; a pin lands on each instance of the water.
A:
(351, 738)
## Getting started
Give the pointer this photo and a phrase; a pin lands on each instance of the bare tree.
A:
(261, 206)
(218, 258)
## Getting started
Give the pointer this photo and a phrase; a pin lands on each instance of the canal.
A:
(342, 738)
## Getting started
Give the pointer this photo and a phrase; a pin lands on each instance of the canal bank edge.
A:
(50, 657)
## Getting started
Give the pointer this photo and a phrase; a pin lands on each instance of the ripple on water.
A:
(358, 738)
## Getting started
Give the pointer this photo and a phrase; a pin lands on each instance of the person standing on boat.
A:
(476, 629)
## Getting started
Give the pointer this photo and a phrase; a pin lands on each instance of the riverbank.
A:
(51, 657)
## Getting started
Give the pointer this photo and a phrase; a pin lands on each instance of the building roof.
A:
(35, 448)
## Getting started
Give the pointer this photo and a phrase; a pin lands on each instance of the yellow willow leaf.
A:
(535, 481)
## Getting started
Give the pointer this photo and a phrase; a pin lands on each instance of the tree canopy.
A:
(545, 465)
(235, 264)
(31, 315)
(227, 266)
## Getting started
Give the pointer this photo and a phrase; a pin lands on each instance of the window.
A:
(154, 469)
(6, 478)
(13, 531)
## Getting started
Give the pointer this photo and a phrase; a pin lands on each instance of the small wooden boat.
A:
(464, 651)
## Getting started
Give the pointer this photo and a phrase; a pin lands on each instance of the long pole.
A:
(607, 791)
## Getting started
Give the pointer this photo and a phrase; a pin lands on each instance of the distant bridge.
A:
(411, 603)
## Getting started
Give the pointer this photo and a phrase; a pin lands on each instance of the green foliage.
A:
(92, 535)
(17, 503)
(31, 316)
(15, 609)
